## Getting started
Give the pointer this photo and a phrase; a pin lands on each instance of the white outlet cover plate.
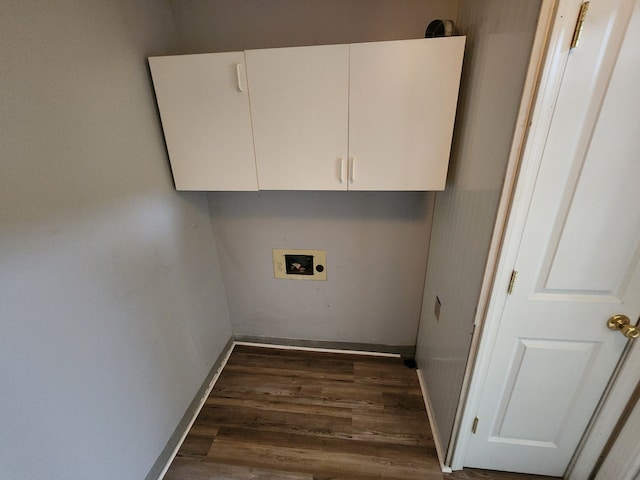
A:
(280, 271)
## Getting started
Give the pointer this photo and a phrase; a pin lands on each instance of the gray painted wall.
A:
(376, 243)
(499, 39)
(112, 308)
(376, 246)
(230, 25)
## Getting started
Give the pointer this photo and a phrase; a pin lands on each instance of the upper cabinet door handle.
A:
(340, 169)
(352, 169)
(239, 78)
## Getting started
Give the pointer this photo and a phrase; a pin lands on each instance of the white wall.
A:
(112, 309)
(376, 243)
(499, 38)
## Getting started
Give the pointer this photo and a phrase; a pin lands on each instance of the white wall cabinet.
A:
(402, 106)
(300, 113)
(367, 116)
(204, 107)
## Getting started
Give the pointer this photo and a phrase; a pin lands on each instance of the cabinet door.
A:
(299, 109)
(402, 103)
(204, 107)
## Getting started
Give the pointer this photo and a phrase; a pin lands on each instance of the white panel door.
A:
(577, 261)
(204, 107)
(402, 104)
(299, 109)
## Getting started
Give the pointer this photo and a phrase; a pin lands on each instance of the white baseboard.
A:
(219, 366)
(434, 427)
(318, 349)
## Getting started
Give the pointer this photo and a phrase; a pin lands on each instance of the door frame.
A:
(607, 428)
(623, 459)
(544, 76)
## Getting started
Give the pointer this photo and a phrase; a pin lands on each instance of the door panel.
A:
(590, 254)
(524, 415)
(402, 105)
(577, 260)
(208, 151)
(299, 108)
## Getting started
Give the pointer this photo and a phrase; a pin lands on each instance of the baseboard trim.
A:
(434, 427)
(405, 351)
(169, 452)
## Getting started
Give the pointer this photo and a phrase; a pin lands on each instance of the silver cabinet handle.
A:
(352, 169)
(239, 77)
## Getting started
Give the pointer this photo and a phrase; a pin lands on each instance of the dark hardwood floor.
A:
(297, 415)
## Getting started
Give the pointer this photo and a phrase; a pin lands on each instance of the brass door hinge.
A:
(512, 282)
(475, 425)
(579, 24)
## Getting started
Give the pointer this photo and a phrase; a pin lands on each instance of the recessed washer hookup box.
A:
(300, 264)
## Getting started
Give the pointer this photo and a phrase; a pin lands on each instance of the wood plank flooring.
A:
(297, 415)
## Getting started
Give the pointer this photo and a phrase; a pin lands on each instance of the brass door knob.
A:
(623, 324)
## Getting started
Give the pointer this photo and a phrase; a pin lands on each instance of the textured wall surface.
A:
(112, 308)
(230, 25)
(376, 246)
(499, 38)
